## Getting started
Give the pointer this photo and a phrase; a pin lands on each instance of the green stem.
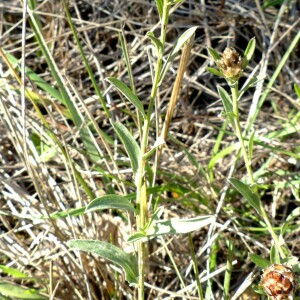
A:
(238, 131)
(228, 270)
(194, 259)
(141, 198)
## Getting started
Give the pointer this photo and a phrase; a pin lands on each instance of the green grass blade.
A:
(85, 60)
(19, 292)
(39, 81)
(83, 130)
(297, 89)
(273, 78)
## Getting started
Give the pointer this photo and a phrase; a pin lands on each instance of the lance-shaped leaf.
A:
(172, 226)
(250, 144)
(127, 92)
(259, 261)
(214, 71)
(110, 202)
(156, 42)
(159, 142)
(130, 144)
(182, 40)
(293, 215)
(13, 272)
(214, 54)
(297, 89)
(187, 36)
(253, 200)
(274, 255)
(248, 53)
(128, 262)
(16, 291)
(250, 82)
(159, 5)
(227, 103)
(178, 226)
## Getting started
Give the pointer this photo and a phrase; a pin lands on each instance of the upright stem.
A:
(141, 195)
(238, 131)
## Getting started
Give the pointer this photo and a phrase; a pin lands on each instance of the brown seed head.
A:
(231, 64)
(278, 282)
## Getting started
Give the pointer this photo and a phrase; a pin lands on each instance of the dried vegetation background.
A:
(32, 185)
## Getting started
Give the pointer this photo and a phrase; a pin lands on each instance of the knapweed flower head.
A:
(278, 282)
(231, 64)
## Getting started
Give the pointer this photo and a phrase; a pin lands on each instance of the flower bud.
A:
(278, 282)
(231, 64)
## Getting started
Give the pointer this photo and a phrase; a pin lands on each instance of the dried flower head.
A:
(231, 64)
(278, 282)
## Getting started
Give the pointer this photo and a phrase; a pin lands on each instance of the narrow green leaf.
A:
(214, 71)
(85, 61)
(127, 92)
(159, 5)
(13, 272)
(294, 214)
(228, 272)
(85, 135)
(39, 81)
(139, 236)
(268, 88)
(259, 261)
(128, 262)
(297, 89)
(227, 103)
(130, 144)
(249, 52)
(268, 3)
(19, 292)
(187, 36)
(253, 200)
(126, 55)
(156, 42)
(274, 255)
(181, 41)
(250, 144)
(214, 54)
(226, 151)
(250, 82)
(177, 226)
(159, 142)
(292, 262)
(69, 213)
(110, 202)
